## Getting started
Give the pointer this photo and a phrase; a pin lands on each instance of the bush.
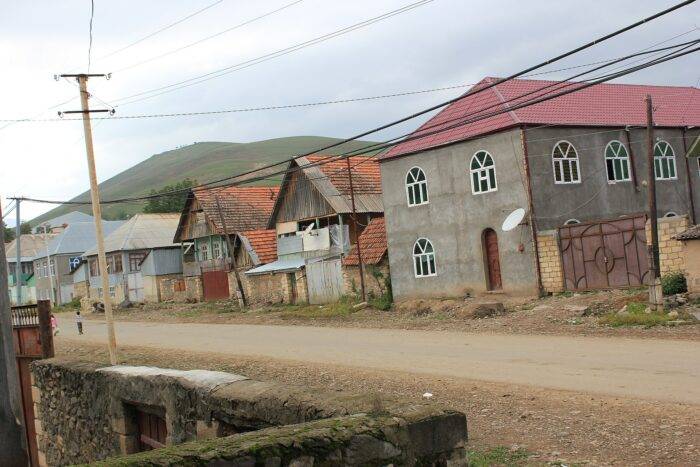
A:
(674, 283)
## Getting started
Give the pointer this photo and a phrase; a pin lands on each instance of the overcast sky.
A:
(443, 43)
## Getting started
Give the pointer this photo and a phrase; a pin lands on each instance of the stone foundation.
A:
(85, 414)
(670, 251)
(375, 279)
(269, 289)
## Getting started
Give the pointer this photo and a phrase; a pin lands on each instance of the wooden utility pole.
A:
(18, 252)
(655, 291)
(354, 229)
(12, 434)
(230, 247)
(96, 209)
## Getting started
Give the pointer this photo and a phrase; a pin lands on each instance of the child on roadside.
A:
(79, 321)
(54, 324)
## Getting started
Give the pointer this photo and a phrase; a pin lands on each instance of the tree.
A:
(169, 203)
(25, 228)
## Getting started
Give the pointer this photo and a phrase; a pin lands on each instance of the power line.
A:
(350, 153)
(197, 42)
(269, 56)
(92, 15)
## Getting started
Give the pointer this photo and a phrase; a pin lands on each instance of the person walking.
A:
(79, 322)
(54, 324)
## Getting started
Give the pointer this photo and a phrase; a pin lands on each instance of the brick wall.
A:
(374, 279)
(671, 257)
(550, 263)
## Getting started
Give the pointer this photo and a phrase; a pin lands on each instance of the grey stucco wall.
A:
(454, 220)
(596, 198)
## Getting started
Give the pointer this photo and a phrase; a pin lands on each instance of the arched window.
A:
(483, 173)
(416, 187)
(617, 162)
(572, 222)
(565, 163)
(423, 258)
(664, 161)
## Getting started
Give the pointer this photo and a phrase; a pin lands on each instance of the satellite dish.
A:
(309, 228)
(513, 220)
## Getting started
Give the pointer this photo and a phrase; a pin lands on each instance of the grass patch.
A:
(67, 307)
(499, 455)
(636, 316)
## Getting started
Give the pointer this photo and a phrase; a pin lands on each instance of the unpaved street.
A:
(662, 370)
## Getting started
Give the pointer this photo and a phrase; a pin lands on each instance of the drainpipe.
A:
(691, 213)
(632, 163)
(531, 211)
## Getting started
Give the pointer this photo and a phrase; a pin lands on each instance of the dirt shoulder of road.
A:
(565, 314)
(554, 427)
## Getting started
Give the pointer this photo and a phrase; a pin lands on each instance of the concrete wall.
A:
(455, 219)
(84, 413)
(691, 256)
(596, 198)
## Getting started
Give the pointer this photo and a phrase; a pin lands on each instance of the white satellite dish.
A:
(309, 228)
(513, 220)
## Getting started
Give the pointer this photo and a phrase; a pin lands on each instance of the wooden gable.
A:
(299, 199)
(194, 223)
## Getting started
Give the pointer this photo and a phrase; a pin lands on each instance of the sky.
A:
(441, 43)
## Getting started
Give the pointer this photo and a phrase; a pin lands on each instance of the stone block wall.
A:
(193, 290)
(80, 289)
(375, 275)
(267, 289)
(670, 250)
(691, 255)
(84, 414)
(551, 271)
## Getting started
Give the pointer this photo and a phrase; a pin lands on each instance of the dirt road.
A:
(662, 370)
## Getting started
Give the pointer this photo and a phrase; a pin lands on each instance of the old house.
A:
(31, 245)
(314, 226)
(54, 265)
(209, 215)
(141, 255)
(575, 164)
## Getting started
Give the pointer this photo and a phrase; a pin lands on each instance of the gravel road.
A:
(652, 369)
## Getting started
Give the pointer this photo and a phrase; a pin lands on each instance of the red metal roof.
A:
(601, 105)
(263, 243)
(366, 177)
(243, 207)
(372, 243)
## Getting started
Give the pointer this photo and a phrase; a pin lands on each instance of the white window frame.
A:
(617, 156)
(670, 214)
(483, 173)
(559, 168)
(665, 157)
(572, 222)
(410, 186)
(420, 256)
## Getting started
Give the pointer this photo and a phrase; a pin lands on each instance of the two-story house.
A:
(577, 166)
(207, 217)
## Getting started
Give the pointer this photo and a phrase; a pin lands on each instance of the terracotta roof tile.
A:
(365, 173)
(263, 243)
(692, 233)
(243, 207)
(601, 105)
(372, 243)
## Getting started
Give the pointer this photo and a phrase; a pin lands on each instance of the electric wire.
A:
(92, 15)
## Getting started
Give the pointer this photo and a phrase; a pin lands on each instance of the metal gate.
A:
(33, 339)
(324, 279)
(604, 254)
(215, 285)
(135, 284)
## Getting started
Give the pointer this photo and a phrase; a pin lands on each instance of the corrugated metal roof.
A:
(142, 232)
(69, 218)
(78, 237)
(281, 265)
(601, 105)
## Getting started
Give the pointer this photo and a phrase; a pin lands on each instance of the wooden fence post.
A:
(45, 331)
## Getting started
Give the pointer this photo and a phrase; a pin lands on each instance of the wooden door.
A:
(152, 430)
(493, 263)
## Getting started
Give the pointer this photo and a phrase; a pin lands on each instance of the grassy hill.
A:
(203, 162)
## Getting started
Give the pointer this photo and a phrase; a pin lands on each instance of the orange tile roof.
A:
(365, 173)
(372, 243)
(263, 243)
(243, 207)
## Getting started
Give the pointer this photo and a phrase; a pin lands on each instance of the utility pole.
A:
(655, 291)
(11, 431)
(48, 262)
(96, 208)
(18, 252)
(240, 293)
(354, 229)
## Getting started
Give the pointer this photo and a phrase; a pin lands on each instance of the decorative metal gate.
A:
(324, 279)
(604, 254)
(33, 338)
(215, 285)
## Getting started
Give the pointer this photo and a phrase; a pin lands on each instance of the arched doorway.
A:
(492, 263)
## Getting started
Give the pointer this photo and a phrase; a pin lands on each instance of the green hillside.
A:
(203, 162)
